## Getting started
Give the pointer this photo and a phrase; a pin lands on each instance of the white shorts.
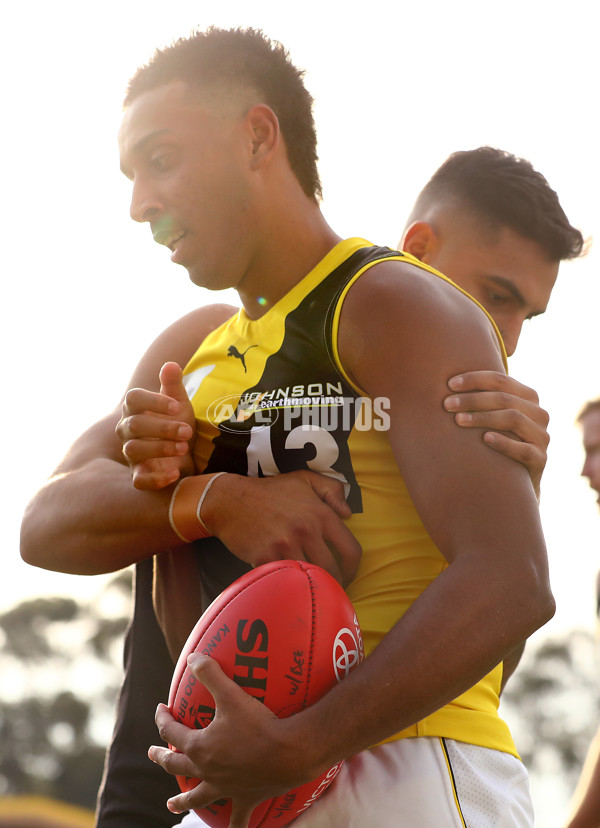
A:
(422, 783)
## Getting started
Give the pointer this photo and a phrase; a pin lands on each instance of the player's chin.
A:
(211, 277)
(197, 271)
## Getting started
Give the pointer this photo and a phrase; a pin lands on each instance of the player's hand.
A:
(294, 516)
(156, 429)
(246, 754)
(518, 425)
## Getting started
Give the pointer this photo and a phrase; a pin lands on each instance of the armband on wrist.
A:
(186, 504)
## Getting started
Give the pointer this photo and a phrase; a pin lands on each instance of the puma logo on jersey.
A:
(233, 351)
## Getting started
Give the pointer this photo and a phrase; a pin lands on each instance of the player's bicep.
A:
(402, 338)
(466, 498)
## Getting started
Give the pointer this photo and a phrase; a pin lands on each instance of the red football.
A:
(286, 632)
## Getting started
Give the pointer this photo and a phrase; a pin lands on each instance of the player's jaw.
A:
(213, 261)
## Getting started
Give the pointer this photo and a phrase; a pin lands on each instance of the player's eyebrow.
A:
(139, 146)
(510, 286)
(505, 283)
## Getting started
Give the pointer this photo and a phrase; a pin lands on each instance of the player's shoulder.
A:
(415, 294)
(415, 320)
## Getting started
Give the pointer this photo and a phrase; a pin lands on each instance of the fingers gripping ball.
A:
(286, 632)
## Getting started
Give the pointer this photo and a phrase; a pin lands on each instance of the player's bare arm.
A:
(515, 424)
(90, 503)
(88, 518)
(494, 400)
(481, 512)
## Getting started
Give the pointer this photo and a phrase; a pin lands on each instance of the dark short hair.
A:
(591, 405)
(504, 191)
(246, 57)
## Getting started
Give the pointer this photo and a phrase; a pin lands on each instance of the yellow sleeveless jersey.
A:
(271, 396)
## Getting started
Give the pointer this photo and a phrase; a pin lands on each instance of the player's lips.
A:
(169, 238)
(173, 246)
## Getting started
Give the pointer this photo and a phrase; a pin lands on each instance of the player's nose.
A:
(588, 471)
(511, 331)
(145, 203)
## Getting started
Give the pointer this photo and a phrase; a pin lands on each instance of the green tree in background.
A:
(552, 704)
(60, 669)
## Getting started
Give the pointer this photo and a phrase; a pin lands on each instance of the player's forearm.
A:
(92, 520)
(442, 646)
(510, 664)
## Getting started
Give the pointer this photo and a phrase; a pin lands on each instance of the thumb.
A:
(171, 382)
(226, 693)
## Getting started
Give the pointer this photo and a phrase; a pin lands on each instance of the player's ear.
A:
(264, 133)
(419, 240)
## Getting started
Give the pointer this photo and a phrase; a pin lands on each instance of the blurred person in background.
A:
(586, 799)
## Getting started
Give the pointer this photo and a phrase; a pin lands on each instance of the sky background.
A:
(397, 88)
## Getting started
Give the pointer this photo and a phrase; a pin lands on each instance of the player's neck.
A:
(297, 241)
